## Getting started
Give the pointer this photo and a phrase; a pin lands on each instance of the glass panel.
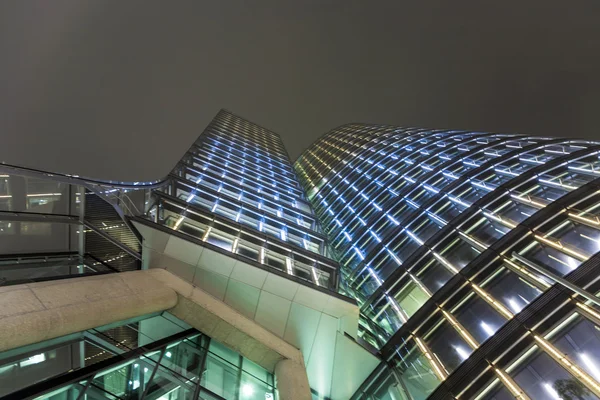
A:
(165, 383)
(416, 372)
(388, 389)
(487, 230)
(515, 211)
(220, 377)
(543, 378)
(500, 394)
(460, 253)
(479, 318)
(553, 259)
(247, 251)
(580, 341)
(23, 270)
(35, 237)
(411, 298)
(385, 317)
(581, 238)
(220, 241)
(448, 346)
(34, 195)
(124, 380)
(511, 290)
(160, 327)
(276, 261)
(184, 358)
(434, 276)
(26, 370)
(252, 388)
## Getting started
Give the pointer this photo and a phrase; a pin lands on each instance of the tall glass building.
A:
(215, 282)
(387, 263)
(473, 256)
(239, 176)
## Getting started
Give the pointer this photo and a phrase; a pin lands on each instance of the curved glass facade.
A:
(471, 255)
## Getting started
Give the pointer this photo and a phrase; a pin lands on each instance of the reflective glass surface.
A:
(172, 362)
(459, 228)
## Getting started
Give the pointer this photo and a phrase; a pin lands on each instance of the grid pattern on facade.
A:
(236, 189)
(444, 236)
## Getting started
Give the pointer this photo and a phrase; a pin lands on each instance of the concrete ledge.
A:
(40, 311)
(221, 322)
(36, 312)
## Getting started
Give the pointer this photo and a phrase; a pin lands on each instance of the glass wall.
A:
(253, 247)
(235, 190)
(156, 357)
(444, 236)
(55, 229)
(241, 171)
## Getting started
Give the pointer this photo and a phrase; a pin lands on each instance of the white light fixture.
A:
(247, 390)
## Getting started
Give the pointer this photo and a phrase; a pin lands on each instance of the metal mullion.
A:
(463, 178)
(386, 204)
(524, 225)
(201, 370)
(202, 158)
(241, 203)
(162, 353)
(475, 207)
(526, 321)
(250, 168)
(87, 385)
(210, 215)
(558, 279)
(239, 382)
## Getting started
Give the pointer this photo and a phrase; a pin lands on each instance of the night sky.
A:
(119, 89)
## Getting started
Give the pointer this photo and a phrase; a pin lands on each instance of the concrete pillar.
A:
(292, 381)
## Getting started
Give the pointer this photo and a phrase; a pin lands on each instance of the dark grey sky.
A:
(118, 89)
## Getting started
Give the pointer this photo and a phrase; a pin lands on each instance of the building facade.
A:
(387, 263)
(214, 282)
(473, 257)
(239, 173)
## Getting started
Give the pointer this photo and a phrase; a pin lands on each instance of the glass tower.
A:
(234, 194)
(236, 189)
(473, 256)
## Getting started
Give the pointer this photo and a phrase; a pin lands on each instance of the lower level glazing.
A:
(154, 357)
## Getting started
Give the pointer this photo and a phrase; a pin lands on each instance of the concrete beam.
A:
(224, 324)
(41, 311)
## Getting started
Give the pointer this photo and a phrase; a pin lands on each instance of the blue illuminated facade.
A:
(474, 259)
(236, 189)
(473, 256)
(232, 201)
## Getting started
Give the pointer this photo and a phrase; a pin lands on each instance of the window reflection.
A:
(543, 378)
(580, 341)
(479, 318)
(511, 290)
(448, 346)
